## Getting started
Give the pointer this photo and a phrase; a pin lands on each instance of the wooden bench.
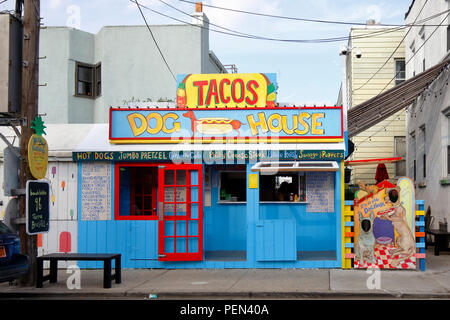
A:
(55, 257)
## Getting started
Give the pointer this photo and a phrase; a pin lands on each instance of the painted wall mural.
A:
(384, 225)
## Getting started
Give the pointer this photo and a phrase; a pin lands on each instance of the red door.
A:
(180, 204)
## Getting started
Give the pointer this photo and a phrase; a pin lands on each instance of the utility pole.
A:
(30, 82)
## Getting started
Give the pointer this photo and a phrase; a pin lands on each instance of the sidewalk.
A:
(250, 284)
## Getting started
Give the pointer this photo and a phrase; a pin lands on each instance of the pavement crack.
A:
(143, 283)
(240, 278)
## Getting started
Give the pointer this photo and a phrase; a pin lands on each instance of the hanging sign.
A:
(38, 150)
(37, 206)
(38, 156)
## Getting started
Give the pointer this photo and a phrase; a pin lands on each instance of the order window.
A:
(283, 187)
(232, 186)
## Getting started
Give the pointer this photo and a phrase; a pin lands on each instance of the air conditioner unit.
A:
(11, 35)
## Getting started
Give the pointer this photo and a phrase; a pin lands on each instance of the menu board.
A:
(320, 191)
(96, 191)
(37, 206)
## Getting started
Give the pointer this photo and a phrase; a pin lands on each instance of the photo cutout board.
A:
(384, 227)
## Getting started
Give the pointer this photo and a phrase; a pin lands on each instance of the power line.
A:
(392, 54)
(247, 36)
(278, 39)
(395, 76)
(295, 18)
(154, 40)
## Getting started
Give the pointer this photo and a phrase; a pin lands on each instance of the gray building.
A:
(428, 118)
(83, 74)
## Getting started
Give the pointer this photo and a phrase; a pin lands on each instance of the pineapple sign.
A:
(236, 90)
(38, 150)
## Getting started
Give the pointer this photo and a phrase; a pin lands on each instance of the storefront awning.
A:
(384, 105)
(271, 167)
(365, 162)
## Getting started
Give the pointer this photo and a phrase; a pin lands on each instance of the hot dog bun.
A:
(214, 125)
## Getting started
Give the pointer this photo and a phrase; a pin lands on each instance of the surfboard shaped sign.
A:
(384, 226)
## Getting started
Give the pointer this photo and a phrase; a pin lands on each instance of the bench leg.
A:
(53, 271)
(118, 270)
(107, 273)
(39, 273)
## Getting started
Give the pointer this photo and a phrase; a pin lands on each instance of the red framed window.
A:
(136, 191)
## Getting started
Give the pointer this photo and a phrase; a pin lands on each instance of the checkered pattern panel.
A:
(383, 260)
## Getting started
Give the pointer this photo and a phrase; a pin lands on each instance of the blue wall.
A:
(226, 227)
(315, 231)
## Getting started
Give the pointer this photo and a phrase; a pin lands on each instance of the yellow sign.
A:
(226, 91)
(253, 181)
(38, 156)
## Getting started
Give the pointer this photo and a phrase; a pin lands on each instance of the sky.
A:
(306, 73)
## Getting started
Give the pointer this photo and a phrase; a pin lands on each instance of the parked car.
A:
(13, 264)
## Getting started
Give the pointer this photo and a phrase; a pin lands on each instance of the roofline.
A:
(409, 9)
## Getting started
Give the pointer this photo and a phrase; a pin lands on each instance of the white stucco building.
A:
(83, 74)
(428, 118)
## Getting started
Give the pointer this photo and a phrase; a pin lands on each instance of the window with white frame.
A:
(412, 156)
(423, 149)
(448, 145)
(447, 138)
(400, 151)
(399, 71)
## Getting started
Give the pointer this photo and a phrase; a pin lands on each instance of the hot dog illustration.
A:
(212, 125)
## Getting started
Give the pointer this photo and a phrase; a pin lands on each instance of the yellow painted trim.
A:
(420, 213)
(221, 141)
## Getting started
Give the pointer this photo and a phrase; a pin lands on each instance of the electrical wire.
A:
(275, 39)
(154, 40)
(242, 35)
(392, 54)
(445, 83)
(396, 74)
(295, 18)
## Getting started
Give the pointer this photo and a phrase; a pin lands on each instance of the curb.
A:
(226, 295)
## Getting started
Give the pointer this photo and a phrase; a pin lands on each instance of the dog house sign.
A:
(277, 125)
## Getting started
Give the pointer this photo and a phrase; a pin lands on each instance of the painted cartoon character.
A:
(405, 240)
(368, 188)
(365, 244)
(212, 126)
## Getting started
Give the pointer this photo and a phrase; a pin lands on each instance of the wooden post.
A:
(30, 81)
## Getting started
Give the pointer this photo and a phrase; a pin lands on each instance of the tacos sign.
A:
(226, 90)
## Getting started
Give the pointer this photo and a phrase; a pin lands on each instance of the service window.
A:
(232, 186)
(136, 192)
(283, 187)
